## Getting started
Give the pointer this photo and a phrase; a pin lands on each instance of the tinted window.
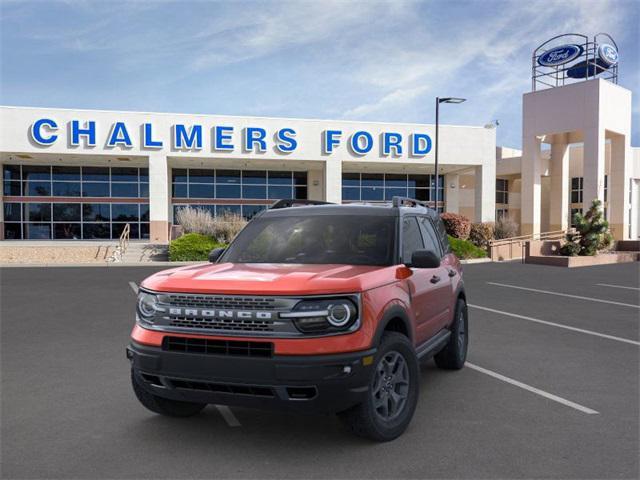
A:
(124, 189)
(442, 233)
(66, 212)
(12, 189)
(96, 212)
(429, 236)
(66, 189)
(95, 189)
(36, 172)
(411, 238)
(100, 174)
(37, 189)
(119, 174)
(12, 212)
(254, 177)
(66, 173)
(11, 172)
(317, 239)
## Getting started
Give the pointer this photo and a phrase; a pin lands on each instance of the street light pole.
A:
(436, 150)
(438, 102)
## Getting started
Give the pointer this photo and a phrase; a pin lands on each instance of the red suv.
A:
(314, 308)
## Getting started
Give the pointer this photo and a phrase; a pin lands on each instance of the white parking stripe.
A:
(228, 415)
(590, 299)
(616, 286)
(537, 391)
(552, 324)
(134, 287)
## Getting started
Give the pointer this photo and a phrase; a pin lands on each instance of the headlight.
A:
(147, 306)
(323, 315)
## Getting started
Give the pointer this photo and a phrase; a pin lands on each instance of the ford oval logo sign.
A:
(560, 55)
(608, 54)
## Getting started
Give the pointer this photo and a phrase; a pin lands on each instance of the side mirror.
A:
(424, 259)
(215, 254)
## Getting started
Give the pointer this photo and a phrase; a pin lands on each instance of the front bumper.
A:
(312, 384)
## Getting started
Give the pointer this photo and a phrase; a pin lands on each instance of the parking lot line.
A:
(134, 287)
(616, 286)
(590, 299)
(552, 324)
(228, 415)
(537, 391)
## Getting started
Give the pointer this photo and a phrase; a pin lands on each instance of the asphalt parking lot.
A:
(551, 389)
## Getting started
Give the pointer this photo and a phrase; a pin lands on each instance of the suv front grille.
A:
(235, 325)
(222, 302)
(218, 347)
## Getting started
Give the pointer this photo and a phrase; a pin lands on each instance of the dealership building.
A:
(85, 174)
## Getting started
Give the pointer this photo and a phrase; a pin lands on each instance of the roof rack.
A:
(407, 202)
(290, 202)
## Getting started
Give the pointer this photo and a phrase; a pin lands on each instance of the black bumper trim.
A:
(313, 384)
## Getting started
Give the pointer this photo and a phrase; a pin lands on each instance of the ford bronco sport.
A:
(314, 308)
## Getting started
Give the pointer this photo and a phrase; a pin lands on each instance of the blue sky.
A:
(365, 60)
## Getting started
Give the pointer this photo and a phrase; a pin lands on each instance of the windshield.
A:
(345, 239)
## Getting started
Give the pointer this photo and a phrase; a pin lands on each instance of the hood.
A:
(270, 279)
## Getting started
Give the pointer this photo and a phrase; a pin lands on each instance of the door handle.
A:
(452, 273)
(435, 279)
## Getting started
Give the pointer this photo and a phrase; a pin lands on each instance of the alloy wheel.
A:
(391, 386)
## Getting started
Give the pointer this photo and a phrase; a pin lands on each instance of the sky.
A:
(344, 60)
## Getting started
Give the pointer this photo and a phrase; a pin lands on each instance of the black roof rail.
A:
(290, 202)
(407, 202)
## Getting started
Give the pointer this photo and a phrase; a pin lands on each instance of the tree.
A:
(591, 235)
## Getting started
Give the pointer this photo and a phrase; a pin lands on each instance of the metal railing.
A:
(123, 244)
(520, 242)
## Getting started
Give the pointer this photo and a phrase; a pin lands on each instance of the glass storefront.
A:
(206, 188)
(63, 213)
(382, 187)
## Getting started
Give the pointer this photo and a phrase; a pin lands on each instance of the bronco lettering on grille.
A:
(208, 313)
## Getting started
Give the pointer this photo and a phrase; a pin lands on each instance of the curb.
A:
(471, 261)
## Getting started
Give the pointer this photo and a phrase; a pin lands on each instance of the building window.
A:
(74, 221)
(63, 181)
(502, 190)
(382, 187)
(576, 190)
(606, 187)
(263, 186)
(64, 213)
(245, 210)
(502, 213)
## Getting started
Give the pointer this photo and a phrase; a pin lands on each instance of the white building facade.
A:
(85, 174)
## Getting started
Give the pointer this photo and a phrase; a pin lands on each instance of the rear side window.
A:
(411, 238)
(430, 237)
(442, 233)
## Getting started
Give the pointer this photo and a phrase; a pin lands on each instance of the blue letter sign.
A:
(36, 131)
(182, 139)
(119, 136)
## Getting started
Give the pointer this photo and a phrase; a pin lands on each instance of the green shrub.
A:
(481, 234)
(192, 247)
(465, 249)
(457, 226)
(591, 235)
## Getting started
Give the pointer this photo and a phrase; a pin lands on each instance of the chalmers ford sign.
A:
(222, 138)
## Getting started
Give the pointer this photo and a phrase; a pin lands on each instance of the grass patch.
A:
(192, 247)
(465, 250)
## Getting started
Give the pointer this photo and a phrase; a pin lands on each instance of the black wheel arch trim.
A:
(391, 313)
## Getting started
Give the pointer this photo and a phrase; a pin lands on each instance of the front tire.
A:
(164, 406)
(392, 395)
(454, 354)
